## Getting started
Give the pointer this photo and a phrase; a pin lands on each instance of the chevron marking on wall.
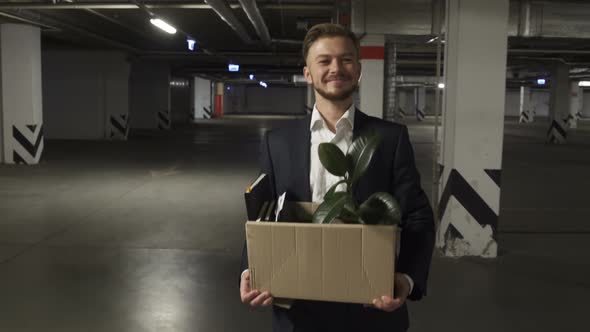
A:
(28, 144)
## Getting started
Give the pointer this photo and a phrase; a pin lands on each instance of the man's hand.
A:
(253, 297)
(401, 292)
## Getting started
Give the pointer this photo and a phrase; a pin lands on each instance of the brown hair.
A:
(328, 30)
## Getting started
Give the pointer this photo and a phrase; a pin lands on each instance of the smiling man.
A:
(289, 156)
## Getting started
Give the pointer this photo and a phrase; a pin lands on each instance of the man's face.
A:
(333, 67)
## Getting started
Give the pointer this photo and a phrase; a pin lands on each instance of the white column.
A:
(559, 104)
(21, 112)
(576, 97)
(371, 85)
(402, 104)
(202, 88)
(473, 125)
(525, 110)
(116, 78)
(420, 101)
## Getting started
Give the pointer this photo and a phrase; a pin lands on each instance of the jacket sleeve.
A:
(418, 231)
(265, 165)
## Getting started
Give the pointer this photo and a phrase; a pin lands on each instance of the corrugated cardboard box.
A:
(332, 262)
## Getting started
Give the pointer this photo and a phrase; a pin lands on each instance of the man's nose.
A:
(335, 66)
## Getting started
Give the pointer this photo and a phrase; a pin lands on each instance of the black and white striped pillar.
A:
(21, 114)
(473, 118)
(402, 104)
(118, 126)
(164, 122)
(420, 102)
(559, 104)
(525, 109)
(576, 95)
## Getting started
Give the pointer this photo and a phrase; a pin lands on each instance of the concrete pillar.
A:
(309, 99)
(371, 85)
(559, 104)
(402, 104)
(576, 96)
(391, 101)
(525, 109)
(420, 102)
(218, 111)
(21, 112)
(150, 95)
(116, 94)
(202, 91)
(473, 125)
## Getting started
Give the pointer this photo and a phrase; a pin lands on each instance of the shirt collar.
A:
(347, 117)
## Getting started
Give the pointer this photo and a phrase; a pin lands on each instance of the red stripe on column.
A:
(373, 52)
(218, 106)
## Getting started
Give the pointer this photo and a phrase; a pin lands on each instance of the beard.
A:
(336, 96)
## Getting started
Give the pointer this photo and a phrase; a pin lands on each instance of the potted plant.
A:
(380, 208)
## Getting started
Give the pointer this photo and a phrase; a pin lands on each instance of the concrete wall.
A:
(539, 102)
(180, 101)
(81, 89)
(149, 93)
(254, 99)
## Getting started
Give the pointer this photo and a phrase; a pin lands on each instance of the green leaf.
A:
(380, 208)
(332, 190)
(348, 213)
(360, 153)
(330, 208)
(333, 159)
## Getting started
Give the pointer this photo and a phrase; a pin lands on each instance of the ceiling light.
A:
(163, 25)
(233, 67)
(584, 83)
(191, 44)
(251, 77)
(263, 84)
(441, 85)
(541, 81)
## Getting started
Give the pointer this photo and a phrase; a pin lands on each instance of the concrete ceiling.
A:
(562, 32)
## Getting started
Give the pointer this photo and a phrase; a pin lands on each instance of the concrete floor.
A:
(145, 235)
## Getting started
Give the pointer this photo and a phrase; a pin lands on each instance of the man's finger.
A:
(267, 302)
(259, 299)
(247, 297)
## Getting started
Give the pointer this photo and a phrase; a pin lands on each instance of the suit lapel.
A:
(360, 126)
(301, 158)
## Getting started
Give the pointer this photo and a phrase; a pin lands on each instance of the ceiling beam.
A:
(168, 5)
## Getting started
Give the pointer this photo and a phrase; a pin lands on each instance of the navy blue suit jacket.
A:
(285, 157)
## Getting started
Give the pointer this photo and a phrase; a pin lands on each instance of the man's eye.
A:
(346, 60)
(324, 62)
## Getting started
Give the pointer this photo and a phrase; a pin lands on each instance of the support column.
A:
(559, 104)
(525, 110)
(473, 125)
(371, 85)
(21, 112)
(576, 97)
(202, 108)
(402, 104)
(218, 100)
(310, 99)
(116, 84)
(420, 101)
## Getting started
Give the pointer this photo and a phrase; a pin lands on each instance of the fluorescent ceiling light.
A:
(251, 77)
(163, 25)
(263, 84)
(541, 81)
(441, 85)
(584, 83)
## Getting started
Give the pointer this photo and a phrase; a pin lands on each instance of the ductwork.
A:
(251, 10)
(225, 12)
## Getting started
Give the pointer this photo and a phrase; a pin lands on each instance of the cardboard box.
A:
(332, 262)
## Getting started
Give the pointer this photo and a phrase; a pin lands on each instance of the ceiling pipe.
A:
(169, 5)
(45, 21)
(251, 10)
(225, 12)
(28, 21)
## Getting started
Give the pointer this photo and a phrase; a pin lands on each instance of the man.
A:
(289, 157)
